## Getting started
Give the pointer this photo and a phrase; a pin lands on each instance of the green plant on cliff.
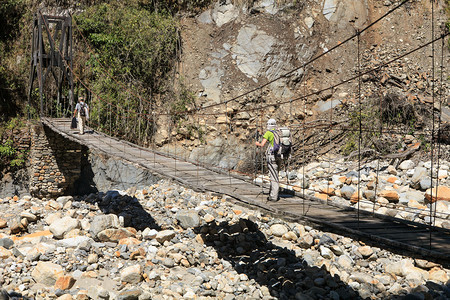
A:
(11, 158)
(129, 59)
(11, 85)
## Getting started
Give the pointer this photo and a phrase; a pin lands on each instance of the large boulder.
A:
(47, 273)
(443, 194)
(188, 219)
(100, 223)
(62, 226)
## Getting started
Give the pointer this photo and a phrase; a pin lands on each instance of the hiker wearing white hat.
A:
(272, 160)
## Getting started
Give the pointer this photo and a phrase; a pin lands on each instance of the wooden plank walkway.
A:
(377, 230)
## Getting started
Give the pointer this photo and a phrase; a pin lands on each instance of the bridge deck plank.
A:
(196, 175)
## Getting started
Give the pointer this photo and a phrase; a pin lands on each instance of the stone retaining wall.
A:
(55, 162)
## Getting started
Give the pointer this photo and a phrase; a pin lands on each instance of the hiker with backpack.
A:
(82, 113)
(278, 150)
(272, 160)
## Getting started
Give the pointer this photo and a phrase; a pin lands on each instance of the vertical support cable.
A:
(378, 160)
(360, 125)
(303, 145)
(228, 141)
(433, 120)
(200, 142)
(153, 138)
(441, 92)
(110, 121)
(261, 153)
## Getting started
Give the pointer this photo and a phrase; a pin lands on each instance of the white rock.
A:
(47, 273)
(73, 242)
(407, 165)
(345, 261)
(278, 230)
(149, 233)
(309, 22)
(165, 235)
(62, 226)
(52, 218)
(131, 274)
(325, 252)
(29, 216)
(102, 222)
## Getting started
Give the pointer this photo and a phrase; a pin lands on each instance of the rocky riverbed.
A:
(405, 192)
(169, 242)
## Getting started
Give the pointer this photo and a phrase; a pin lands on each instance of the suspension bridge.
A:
(414, 237)
(421, 239)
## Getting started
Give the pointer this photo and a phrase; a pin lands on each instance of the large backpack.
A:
(282, 143)
(83, 110)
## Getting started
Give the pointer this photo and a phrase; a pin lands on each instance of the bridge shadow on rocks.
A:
(123, 205)
(111, 175)
(286, 275)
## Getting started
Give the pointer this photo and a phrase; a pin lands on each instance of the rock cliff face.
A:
(231, 49)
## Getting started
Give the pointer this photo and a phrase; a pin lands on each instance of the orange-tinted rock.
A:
(140, 253)
(32, 236)
(113, 235)
(64, 283)
(321, 196)
(3, 223)
(391, 196)
(327, 190)
(443, 194)
(354, 197)
(129, 241)
(90, 274)
(392, 179)
(4, 253)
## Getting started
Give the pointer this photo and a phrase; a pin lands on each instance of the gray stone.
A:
(345, 261)
(6, 243)
(224, 12)
(250, 49)
(205, 17)
(306, 241)
(47, 273)
(369, 195)
(419, 174)
(362, 277)
(406, 165)
(64, 199)
(425, 183)
(29, 216)
(165, 235)
(132, 294)
(329, 7)
(188, 219)
(347, 192)
(131, 274)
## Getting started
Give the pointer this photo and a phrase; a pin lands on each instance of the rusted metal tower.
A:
(51, 54)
